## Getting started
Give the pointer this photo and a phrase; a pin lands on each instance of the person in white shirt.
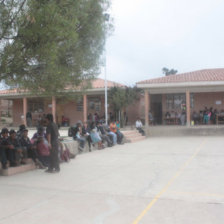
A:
(138, 125)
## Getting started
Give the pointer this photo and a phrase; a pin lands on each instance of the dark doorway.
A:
(156, 108)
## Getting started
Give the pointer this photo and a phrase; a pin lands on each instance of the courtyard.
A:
(162, 180)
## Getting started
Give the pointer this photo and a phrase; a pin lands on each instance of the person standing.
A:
(52, 138)
(29, 119)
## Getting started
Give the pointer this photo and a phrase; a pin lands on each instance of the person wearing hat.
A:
(4, 147)
(20, 131)
(27, 145)
(19, 154)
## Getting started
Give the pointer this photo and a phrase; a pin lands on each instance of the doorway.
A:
(156, 108)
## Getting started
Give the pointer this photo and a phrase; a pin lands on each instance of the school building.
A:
(191, 92)
(76, 107)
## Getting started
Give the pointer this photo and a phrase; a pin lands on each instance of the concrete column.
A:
(24, 110)
(84, 107)
(188, 107)
(147, 108)
(54, 108)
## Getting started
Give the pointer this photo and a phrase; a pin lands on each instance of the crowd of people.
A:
(206, 116)
(97, 133)
(179, 117)
(43, 148)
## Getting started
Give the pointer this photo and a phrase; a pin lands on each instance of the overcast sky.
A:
(186, 35)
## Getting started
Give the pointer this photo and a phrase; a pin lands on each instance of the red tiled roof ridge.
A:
(216, 74)
(97, 83)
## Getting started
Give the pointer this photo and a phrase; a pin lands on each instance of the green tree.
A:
(46, 45)
(167, 71)
(119, 98)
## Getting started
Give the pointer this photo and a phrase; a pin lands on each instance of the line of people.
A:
(97, 133)
(43, 148)
(16, 147)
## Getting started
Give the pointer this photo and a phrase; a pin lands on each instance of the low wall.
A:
(203, 130)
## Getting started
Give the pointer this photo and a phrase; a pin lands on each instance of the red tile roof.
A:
(100, 84)
(96, 84)
(205, 75)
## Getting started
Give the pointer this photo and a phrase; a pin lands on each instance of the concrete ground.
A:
(159, 180)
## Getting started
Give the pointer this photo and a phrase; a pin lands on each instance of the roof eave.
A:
(179, 84)
(27, 94)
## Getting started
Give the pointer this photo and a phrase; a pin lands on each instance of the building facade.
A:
(66, 111)
(188, 93)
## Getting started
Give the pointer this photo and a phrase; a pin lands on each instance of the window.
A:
(192, 100)
(35, 106)
(79, 105)
(175, 101)
(94, 104)
(178, 101)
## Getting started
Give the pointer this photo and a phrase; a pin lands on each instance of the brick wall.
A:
(202, 100)
(69, 110)
(135, 110)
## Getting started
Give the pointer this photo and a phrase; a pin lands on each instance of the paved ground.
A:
(159, 181)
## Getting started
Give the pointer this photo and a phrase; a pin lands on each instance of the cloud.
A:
(180, 34)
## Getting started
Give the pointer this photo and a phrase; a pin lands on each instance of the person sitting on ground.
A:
(19, 154)
(86, 134)
(26, 144)
(5, 152)
(138, 125)
(80, 138)
(95, 137)
(103, 134)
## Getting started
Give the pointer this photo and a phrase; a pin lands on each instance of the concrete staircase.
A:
(133, 136)
(19, 169)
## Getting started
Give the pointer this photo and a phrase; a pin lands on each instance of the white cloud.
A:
(180, 34)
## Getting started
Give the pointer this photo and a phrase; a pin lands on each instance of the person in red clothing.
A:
(113, 127)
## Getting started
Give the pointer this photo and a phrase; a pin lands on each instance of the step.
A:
(19, 169)
(137, 139)
(132, 135)
(129, 132)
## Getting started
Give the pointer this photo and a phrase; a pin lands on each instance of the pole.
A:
(105, 81)
(107, 18)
